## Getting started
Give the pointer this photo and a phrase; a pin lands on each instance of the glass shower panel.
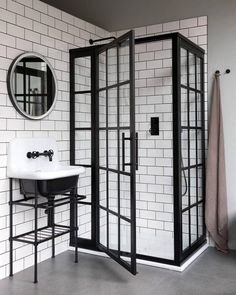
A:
(82, 76)
(112, 107)
(84, 221)
(83, 110)
(112, 66)
(124, 60)
(102, 109)
(83, 147)
(102, 70)
(191, 148)
(154, 185)
(124, 105)
(125, 243)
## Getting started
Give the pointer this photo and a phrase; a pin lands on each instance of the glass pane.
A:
(103, 227)
(102, 188)
(125, 239)
(199, 146)
(83, 147)
(84, 221)
(124, 73)
(82, 110)
(184, 107)
(192, 141)
(112, 66)
(184, 147)
(185, 188)
(113, 191)
(199, 108)
(192, 108)
(125, 197)
(193, 186)
(112, 107)
(102, 109)
(112, 149)
(191, 70)
(82, 74)
(198, 73)
(113, 232)
(183, 54)
(193, 213)
(200, 184)
(125, 105)
(185, 230)
(85, 185)
(200, 220)
(102, 70)
(102, 148)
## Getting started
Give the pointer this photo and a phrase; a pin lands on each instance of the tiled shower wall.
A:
(31, 25)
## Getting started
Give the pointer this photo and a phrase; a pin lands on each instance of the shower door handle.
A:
(123, 151)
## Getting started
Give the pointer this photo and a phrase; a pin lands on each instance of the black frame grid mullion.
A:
(203, 141)
(189, 155)
(133, 144)
(107, 156)
(118, 141)
(177, 181)
(196, 142)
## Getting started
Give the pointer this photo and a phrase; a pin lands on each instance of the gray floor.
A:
(213, 273)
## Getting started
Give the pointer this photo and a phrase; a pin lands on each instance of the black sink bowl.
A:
(48, 188)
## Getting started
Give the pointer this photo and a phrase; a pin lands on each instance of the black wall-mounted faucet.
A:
(34, 154)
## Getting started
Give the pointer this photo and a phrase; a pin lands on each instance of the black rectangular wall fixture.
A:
(154, 130)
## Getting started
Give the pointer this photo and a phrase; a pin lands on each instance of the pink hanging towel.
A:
(216, 196)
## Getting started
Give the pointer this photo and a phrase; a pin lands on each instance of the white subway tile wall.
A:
(31, 25)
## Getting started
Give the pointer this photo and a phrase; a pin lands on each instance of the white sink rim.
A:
(60, 172)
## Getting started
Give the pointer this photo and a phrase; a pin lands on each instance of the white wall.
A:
(31, 25)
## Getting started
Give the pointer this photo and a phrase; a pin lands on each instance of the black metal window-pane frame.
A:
(76, 54)
(117, 254)
(193, 128)
(94, 52)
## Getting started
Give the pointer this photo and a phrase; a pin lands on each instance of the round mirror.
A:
(32, 85)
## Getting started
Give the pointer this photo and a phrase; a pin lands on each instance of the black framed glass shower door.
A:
(117, 151)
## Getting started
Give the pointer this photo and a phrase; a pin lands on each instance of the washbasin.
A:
(51, 177)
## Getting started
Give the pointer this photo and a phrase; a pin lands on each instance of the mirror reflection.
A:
(33, 86)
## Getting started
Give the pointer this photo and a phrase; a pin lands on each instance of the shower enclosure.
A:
(137, 125)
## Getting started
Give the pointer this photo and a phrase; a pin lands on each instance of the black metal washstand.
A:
(52, 230)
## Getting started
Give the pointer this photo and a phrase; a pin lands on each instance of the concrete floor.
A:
(212, 273)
